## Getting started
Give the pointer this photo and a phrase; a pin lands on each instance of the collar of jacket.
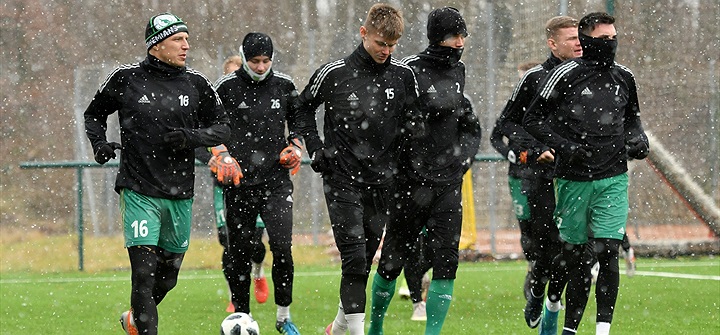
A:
(441, 56)
(159, 68)
(362, 59)
(551, 62)
(246, 77)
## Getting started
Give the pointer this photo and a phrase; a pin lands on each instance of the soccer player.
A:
(368, 98)
(531, 162)
(518, 194)
(259, 103)
(431, 173)
(232, 64)
(587, 110)
(165, 111)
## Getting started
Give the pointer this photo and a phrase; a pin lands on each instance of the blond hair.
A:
(527, 66)
(559, 22)
(231, 62)
(385, 20)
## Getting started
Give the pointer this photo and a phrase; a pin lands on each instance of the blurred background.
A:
(54, 54)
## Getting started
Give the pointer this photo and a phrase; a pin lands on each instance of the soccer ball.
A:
(239, 324)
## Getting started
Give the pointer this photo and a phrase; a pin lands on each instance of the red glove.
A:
(226, 169)
(523, 157)
(291, 155)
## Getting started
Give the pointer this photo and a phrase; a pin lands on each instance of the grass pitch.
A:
(680, 296)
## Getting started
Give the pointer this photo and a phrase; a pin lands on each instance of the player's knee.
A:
(607, 251)
(354, 262)
(445, 263)
(282, 254)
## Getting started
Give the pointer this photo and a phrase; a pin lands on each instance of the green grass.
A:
(487, 300)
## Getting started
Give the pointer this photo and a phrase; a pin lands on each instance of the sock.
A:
(553, 306)
(257, 270)
(567, 331)
(283, 313)
(355, 323)
(382, 293)
(339, 325)
(438, 304)
(602, 328)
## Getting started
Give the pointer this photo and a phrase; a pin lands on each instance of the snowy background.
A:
(54, 53)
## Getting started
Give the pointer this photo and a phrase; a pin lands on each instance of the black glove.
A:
(223, 236)
(106, 151)
(469, 123)
(321, 160)
(579, 155)
(637, 150)
(575, 153)
(415, 124)
(176, 139)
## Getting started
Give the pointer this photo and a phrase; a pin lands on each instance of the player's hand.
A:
(291, 155)
(225, 167)
(469, 123)
(546, 157)
(637, 150)
(223, 236)
(576, 153)
(176, 139)
(321, 160)
(415, 125)
(106, 151)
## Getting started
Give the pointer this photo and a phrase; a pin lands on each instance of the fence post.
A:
(81, 258)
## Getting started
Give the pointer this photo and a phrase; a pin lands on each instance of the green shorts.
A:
(155, 221)
(519, 198)
(591, 209)
(219, 204)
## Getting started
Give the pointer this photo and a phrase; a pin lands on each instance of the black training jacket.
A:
(366, 105)
(152, 99)
(582, 103)
(509, 125)
(258, 113)
(445, 153)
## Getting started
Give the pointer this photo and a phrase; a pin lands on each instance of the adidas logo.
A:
(445, 296)
(185, 244)
(144, 100)
(289, 198)
(621, 230)
(382, 294)
(353, 97)
(243, 105)
(586, 91)
(432, 89)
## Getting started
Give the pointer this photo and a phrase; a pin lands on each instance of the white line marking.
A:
(335, 273)
(676, 275)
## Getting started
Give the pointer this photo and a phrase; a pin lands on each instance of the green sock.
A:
(382, 292)
(438, 302)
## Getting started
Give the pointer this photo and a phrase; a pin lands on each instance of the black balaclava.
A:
(598, 49)
(256, 44)
(443, 23)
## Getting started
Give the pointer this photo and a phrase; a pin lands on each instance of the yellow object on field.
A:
(468, 237)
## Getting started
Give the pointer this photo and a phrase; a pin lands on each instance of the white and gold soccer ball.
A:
(239, 324)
